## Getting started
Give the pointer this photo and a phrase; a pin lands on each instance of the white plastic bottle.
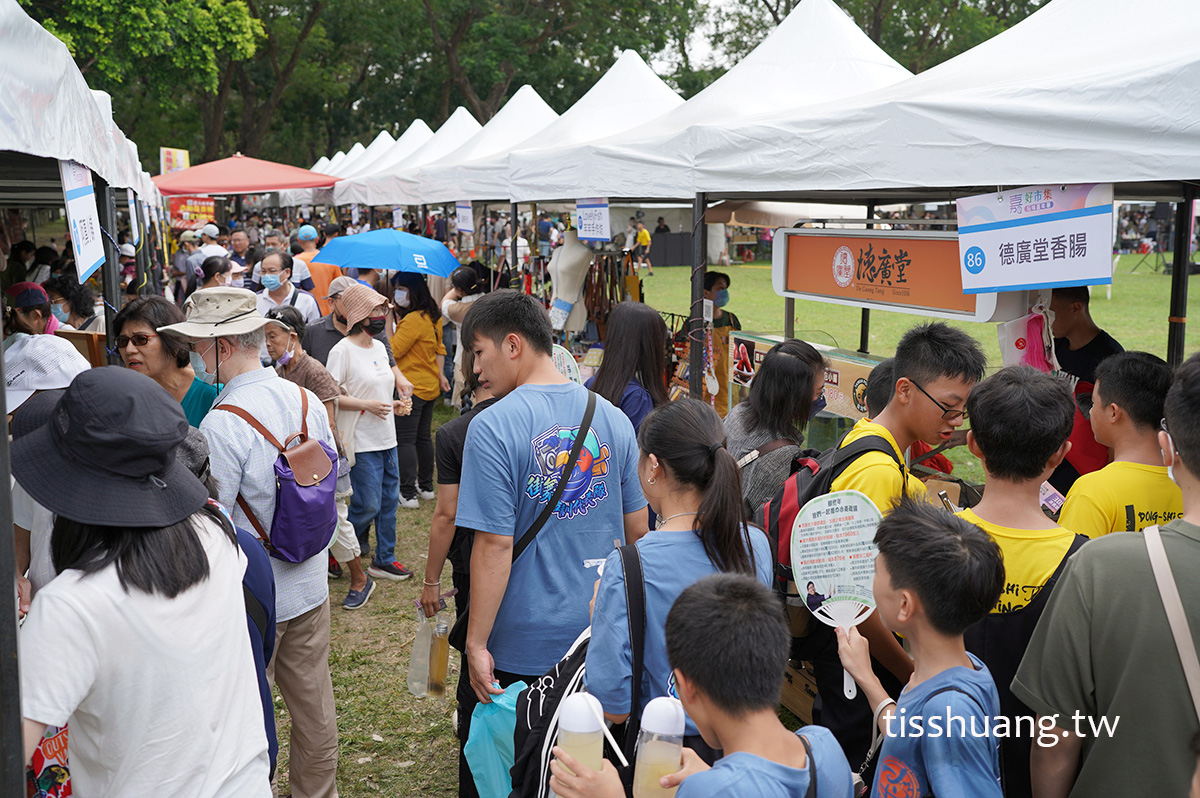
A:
(659, 747)
(580, 723)
(418, 660)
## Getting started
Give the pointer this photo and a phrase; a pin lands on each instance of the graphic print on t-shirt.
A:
(896, 780)
(585, 484)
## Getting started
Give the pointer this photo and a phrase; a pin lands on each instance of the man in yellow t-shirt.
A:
(934, 369)
(1135, 490)
(642, 251)
(1021, 420)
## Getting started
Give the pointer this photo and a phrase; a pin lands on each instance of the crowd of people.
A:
(272, 411)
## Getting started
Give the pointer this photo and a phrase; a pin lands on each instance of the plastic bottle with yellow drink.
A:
(659, 747)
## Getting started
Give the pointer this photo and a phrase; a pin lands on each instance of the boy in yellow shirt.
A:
(933, 371)
(1020, 422)
(1134, 491)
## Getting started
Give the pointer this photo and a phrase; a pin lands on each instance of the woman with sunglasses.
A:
(164, 359)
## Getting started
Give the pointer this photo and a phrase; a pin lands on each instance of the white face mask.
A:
(401, 297)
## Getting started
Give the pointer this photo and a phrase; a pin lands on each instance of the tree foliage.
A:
(292, 80)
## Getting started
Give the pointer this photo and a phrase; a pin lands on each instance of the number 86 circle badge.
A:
(833, 560)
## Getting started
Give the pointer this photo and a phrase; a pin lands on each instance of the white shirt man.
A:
(278, 290)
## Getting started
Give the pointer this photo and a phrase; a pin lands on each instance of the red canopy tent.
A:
(239, 175)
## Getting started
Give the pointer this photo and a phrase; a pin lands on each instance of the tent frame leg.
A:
(696, 311)
(1177, 318)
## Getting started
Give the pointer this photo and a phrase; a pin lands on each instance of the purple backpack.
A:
(305, 478)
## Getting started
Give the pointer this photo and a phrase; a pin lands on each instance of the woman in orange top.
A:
(421, 355)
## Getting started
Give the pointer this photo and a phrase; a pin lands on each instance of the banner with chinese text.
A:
(191, 213)
(171, 159)
(83, 218)
(1036, 237)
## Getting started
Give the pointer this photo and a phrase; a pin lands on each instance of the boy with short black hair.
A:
(1133, 491)
(727, 642)
(1020, 422)
(935, 576)
(933, 371)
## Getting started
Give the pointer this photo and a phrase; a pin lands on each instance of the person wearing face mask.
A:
(359, 364)
(27, 311)
(165, 359)
(218, 271)
(276, 275)
(73, 304)
(716, 288)
(421, 355)
(766, 432)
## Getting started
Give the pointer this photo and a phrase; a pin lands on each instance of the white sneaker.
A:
(426, 495)
(408, 504)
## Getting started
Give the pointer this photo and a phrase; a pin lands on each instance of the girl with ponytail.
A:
(692, 482)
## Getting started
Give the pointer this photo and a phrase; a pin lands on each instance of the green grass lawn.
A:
(393, 744)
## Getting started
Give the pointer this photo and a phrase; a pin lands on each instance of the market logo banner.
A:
(1036, 237)
(171, 159)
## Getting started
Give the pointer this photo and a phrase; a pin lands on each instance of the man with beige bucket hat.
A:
(224, 327)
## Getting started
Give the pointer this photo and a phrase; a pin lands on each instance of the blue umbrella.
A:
(392, 250)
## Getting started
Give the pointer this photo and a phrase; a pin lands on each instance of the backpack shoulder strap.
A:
(845, 455)
(811, 792)
(256, 611)
(255, 523)
(635, 604)
(752, 455)
(1168, 591)
(244, 415)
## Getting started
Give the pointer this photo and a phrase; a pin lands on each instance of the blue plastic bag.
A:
(489, 748)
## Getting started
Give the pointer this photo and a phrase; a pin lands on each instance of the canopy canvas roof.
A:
(239, 175)
(479, 168)
(626, 94)
(1061, 97)
(397, 186)
(374, 150)
(815, 55)
(411, 140)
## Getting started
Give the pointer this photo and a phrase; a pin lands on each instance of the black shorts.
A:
(641, 252)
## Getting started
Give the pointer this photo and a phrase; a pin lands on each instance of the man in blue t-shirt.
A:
(524, 615)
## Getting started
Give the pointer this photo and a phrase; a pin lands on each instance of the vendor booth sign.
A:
(593, 219)
(171, 159)
(464, 217)
(191, 213)
(1036, 237)
(82, 217)
(907, 271)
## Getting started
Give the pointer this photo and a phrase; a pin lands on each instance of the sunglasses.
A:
(947, 413)
(139, 340)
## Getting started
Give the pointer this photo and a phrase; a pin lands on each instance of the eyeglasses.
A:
(947, 413)
(139, 340)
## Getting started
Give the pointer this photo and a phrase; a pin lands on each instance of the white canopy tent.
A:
(322, 163)
(479, 168)
(628, 93)
(48, 111)
(1061, 97)
(398, 186)
(356, 156)
(815, 55)
(411, 140)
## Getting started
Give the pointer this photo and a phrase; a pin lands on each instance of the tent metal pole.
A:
(696, 311)
(12, 745)
(1177, 320)
(142, 258)
(110, 272)
(424, 220)
(515, 224)
(864, 330)
(789, 317)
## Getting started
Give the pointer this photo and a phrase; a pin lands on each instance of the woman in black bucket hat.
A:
(139, 641)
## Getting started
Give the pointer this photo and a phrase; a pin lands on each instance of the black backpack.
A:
(537, 705)
(812, 475)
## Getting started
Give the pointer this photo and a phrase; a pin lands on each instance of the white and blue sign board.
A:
(1036, 237)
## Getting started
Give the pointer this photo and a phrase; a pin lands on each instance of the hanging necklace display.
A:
(710, 368)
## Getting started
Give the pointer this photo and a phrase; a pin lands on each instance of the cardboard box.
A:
(799, 691)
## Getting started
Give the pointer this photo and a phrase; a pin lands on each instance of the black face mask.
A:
(340, 319)
(375, 326)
